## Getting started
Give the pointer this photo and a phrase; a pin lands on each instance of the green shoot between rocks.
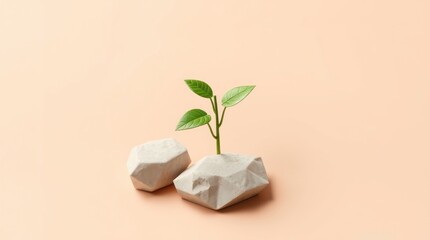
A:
(197, 117)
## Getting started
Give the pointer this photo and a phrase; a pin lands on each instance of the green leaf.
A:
(200, 88)
(192, 119)
(235, 95)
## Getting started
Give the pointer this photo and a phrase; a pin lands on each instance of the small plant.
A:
(197, 117)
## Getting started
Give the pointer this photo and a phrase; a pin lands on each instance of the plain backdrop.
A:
(340, 116)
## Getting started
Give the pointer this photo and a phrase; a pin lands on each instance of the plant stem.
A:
(212, 132)
(217, 124)
(213, 106)
(222, 116)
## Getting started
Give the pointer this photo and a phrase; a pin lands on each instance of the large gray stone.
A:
(222, 180)
(155, 164)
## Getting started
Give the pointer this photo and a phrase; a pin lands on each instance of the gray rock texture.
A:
(222, 180)
(155, 164)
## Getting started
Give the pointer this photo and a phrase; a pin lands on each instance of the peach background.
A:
(340, 116)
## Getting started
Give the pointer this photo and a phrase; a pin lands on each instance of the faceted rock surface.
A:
(222, 180)
(155, 164)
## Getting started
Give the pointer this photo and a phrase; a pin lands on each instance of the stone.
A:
(219, 181)
(155, 164)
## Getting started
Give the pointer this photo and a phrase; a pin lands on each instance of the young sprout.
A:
(197, 117)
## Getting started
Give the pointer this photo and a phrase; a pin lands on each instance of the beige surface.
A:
(340, 116)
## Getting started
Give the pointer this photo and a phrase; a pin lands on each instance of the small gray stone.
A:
(222, 180)
(155, 164)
